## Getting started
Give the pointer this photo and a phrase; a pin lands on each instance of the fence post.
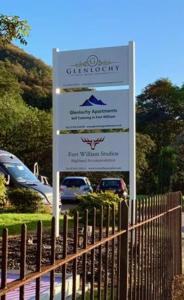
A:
(180, 233)
(124, 252)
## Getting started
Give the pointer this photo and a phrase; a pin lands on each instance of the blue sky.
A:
(156, 26)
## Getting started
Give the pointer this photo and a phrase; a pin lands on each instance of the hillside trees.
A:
(24, 131)
(33, 76)
(34, 144)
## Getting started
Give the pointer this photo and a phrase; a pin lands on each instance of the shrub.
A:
(97, 200)
(2, 191)
(25, 200)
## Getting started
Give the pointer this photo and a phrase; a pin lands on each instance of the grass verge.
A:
(13, 222)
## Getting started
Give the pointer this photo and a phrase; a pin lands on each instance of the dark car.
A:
(116, 185)
(20, 176)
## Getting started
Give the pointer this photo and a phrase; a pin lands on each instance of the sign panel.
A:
(93, 152)
(92, 110)
(92, 67)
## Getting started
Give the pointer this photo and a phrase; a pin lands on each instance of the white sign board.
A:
(93, 152)
(113, 66)
(93, 67)
(92, 110)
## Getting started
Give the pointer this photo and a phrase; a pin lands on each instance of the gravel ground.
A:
(178, 288)
(178, 283)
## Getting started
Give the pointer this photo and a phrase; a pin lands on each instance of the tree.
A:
(178, 177)
(12, 27)
(160, 114)
(145, 148)
(24, 131)
(160, 111)
(167, 168)
(34, 142)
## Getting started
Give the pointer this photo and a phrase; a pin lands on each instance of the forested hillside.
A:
(32, 74)
(25, 130)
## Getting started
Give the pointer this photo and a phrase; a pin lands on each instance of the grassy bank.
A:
(13, 222)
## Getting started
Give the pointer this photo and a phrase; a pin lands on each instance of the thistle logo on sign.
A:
(91, 101)
(93, 61)
(92, 142)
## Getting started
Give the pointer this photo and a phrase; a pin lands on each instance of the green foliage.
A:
(25, 131)
(178, 177)
(97, 200)
(160, 114)
(34, 143)
(25, 200)
(2, 191)
(32, 75)
(145, 149)
(167, 168)
(12, 27)
(160, 111)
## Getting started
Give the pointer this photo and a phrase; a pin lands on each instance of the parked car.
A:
(18, 175)
(116, 185)
(73, 186)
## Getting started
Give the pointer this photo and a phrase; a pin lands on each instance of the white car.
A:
(73, 186)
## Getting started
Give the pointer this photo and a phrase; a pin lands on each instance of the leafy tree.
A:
(178, 177)
(160, 111)
(167, 168)
(144, 151)
(24, 131)
(12, 107)
(160, 114)
(34, 142)
(12, 27)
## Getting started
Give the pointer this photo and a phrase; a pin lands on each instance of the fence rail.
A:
(105, 254)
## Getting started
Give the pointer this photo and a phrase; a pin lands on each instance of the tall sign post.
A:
(55, 154)
(93, 110)
(132, 126)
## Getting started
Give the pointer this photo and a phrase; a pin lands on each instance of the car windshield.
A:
(110, 184)
(73, 182)
(20, 172)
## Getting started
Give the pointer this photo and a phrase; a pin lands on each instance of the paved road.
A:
(67, 206)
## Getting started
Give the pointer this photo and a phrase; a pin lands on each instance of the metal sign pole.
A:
(55, 173)
(132, 127)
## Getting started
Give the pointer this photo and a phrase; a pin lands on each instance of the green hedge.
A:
(25, 200)
(97, 200)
